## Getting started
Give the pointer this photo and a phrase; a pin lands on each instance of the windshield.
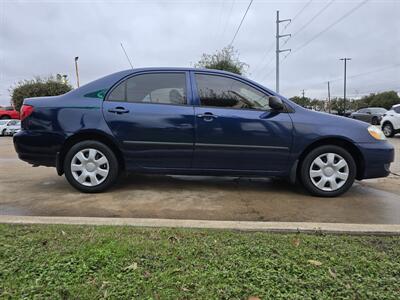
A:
(3, 122)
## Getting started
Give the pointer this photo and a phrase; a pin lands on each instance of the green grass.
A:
(89, 262)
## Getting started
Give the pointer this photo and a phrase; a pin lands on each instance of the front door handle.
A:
(207, 116)
(118, 110)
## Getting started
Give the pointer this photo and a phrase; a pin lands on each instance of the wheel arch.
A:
(336, 141)
(85, 135)
(387, 122)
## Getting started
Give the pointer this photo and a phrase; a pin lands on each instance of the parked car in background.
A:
(8, 113)
(372, 115)
(8, 126)
(13, 127)
(391, 121)
(195, 122)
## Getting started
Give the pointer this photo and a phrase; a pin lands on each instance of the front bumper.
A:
(377, 159)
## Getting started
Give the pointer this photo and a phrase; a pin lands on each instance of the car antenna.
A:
(127, 57)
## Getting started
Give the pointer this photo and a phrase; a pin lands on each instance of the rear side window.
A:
(397, 109)
(165, 88)
(219, 91)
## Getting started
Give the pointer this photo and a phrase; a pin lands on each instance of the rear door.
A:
(236, 129)
(151, 116)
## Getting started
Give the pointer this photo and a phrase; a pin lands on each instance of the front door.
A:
(236, 129)
(150, 115)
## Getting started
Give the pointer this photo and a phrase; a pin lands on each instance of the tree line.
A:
(336, 105)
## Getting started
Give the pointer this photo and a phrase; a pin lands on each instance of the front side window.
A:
(219, 91)
(164, 88)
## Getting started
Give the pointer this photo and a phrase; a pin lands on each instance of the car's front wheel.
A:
(388, 129)
(328, 171)
(91, 166)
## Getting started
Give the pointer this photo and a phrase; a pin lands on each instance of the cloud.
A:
(43, 37)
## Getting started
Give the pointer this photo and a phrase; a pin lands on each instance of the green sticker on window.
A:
(97, 94)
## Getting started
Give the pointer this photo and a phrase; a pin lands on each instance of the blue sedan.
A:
(195, 122)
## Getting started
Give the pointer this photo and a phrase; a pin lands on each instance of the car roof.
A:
(172, 69)
(109, 80)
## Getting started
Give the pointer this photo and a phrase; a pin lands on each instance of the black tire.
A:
(4, 117)
(112, 161)
(306, 165)
(388, 129)
(3, 133)
(374, 121)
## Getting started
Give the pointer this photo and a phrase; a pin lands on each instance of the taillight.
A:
(26, 111)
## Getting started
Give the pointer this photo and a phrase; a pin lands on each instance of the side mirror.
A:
(276, 103)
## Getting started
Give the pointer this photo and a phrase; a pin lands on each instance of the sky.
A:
(40, 38)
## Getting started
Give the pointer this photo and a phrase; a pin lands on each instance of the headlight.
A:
(376, 133)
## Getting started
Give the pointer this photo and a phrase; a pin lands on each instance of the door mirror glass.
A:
(276, 103)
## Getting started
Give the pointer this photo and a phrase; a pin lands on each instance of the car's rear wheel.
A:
(4, 117)
(388, 130)
(328, 171)
(91, 166)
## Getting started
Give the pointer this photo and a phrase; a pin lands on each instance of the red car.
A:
(8, 113)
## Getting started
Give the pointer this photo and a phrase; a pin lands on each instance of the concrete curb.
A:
(344, 228)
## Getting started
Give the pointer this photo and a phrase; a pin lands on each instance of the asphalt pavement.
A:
(29, 191)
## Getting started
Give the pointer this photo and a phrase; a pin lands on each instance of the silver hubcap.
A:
(387, 130)
(90, 167)
(329, 172)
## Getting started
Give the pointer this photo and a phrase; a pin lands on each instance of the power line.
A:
(228, 19)
(359, 74)
(310, 21)
(314, 17)
(241, 22)
(217, 32)
(268, 52)
(331, 25)
(370, 72)
(299, 13)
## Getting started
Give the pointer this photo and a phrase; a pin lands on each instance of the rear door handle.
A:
(207, 116)
(118, 110)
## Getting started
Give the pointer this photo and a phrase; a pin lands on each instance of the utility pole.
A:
(278, 50)
(302, 93)
(76, 70)
(329, 97)
(345, 59)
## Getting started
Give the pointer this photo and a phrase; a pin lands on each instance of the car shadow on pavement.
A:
(198, 183)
